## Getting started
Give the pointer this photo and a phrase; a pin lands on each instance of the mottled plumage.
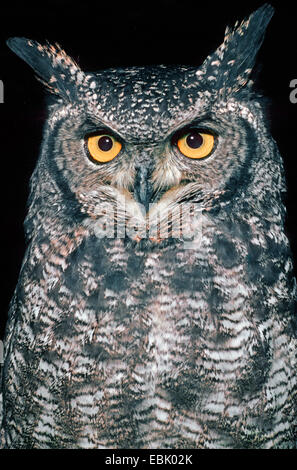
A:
(154, 338)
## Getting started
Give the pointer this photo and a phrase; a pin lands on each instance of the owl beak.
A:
(142, 187)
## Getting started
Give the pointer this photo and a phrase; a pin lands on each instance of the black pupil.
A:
(194, 140)
(105, 143)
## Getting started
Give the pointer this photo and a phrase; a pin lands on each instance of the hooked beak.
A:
(142, 187)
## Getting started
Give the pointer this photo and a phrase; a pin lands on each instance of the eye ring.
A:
(194, 143)
(102, 147)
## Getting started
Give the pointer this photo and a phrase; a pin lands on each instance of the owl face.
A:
(162, 136)
(150, 136)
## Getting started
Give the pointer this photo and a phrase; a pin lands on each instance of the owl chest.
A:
(155, 311)
(126, 308)
(162, 332)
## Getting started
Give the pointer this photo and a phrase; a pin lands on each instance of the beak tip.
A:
(142, 187)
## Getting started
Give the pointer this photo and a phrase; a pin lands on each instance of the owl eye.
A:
(195, 144)
(103, 147)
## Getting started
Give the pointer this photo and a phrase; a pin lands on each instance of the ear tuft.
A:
(54, 67)
(230, 66)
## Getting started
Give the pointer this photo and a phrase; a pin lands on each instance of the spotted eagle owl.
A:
(155, 303)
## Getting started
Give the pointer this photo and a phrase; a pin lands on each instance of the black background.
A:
(102, 34)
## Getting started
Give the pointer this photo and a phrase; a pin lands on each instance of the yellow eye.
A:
(196, 144)
(103, 147)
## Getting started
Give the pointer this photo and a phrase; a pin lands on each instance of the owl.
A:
(155, 307)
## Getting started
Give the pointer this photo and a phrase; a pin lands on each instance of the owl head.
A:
(132, 143)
